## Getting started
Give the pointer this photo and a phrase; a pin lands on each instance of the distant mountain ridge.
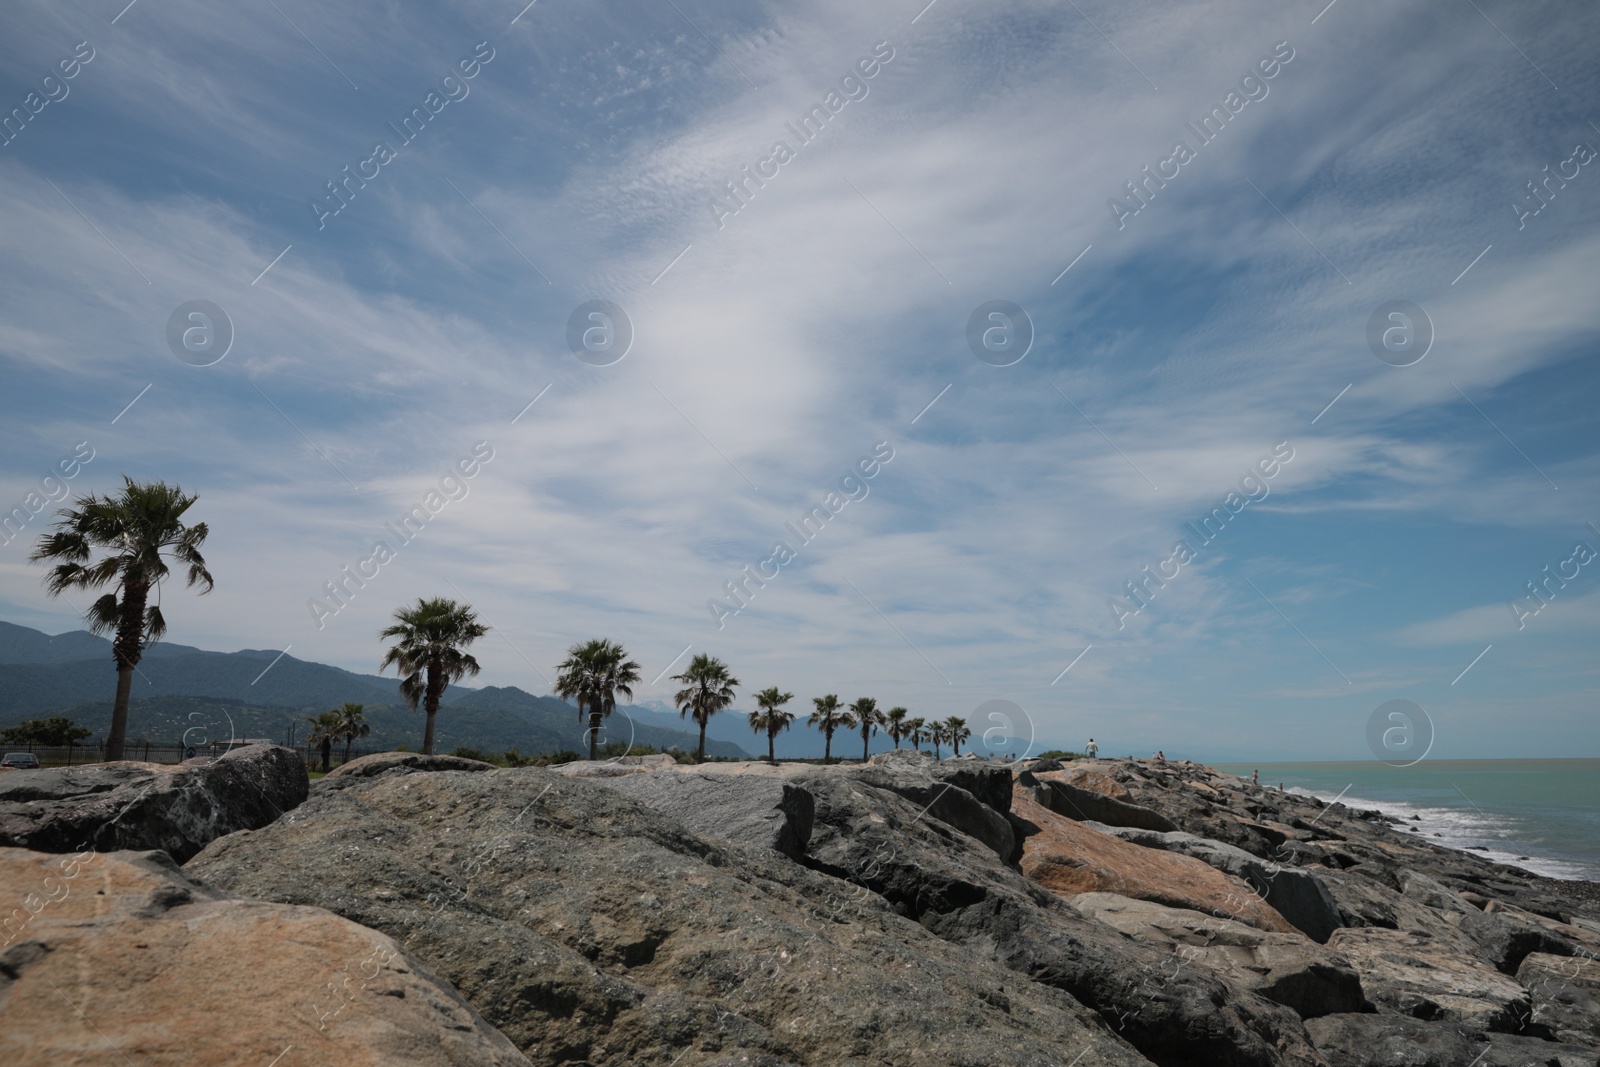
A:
(73, 674)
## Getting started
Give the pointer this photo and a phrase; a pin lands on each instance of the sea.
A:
(1542, 815)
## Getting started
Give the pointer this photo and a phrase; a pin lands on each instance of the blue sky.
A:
(774, 351)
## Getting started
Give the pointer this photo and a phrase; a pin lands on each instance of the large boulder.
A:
(1349, 1040)
(1397, 1041)
(1406, 900)
(1052, 790)
(965, 795)
(953, 797)
(1413, 974)
(592, 928)
(616, 767)
(1566, 995)
(1069, 857)
(759, 811)
(408, 762)
(1286, 968)
(126, 805)
(127, 961)
(1293, 893)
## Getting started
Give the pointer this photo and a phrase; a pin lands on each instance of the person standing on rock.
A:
(1255, 778)
(1092, 750)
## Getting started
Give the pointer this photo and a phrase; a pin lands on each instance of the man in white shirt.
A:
(1092, 749)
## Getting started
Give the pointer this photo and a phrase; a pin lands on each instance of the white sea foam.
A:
(1494, 837)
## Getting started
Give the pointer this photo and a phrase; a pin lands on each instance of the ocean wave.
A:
(1496, 837)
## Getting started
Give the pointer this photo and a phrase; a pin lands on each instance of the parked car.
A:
(20, 761)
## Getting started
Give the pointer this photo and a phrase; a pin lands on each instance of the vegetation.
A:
(771, 718)
(429, 651)
(894, 724)
(828, 717)
(593, 673)
(955, 731)
(352, 724)
(324, 731)
(54, 731)
(707, 689)
(865, 716)
(916, 732)
(135, 527)
(1061, 753)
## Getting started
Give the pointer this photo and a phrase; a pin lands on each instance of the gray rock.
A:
(945, 796)
(954, 886)
(1294, 893)
(590, 928)
(384, 762)
(988, 781)
(1388, 1041)
(758, 811)
(1285, 968)
(1084, 805)
(616, 767)
(1566, 996)
(1413, 974)
(126, 805)
(1508, 1050)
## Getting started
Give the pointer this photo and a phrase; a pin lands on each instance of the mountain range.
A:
(187, 693)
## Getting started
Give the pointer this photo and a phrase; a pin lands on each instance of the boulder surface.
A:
(177, 808)
(127, 960)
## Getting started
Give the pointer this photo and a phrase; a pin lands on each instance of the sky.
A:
(1222, 328)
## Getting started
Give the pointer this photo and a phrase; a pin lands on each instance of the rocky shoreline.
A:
(433, 910)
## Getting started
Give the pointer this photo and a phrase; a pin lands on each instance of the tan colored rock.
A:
(128, 961)
(1069, 858)
(1287, 968)
(1413, 974)
(1093, 776)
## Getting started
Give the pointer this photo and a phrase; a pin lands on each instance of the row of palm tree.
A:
(345, 723)
(144, 524)
(830, 716)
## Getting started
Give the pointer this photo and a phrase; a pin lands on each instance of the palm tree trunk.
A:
(595, 718)
(700, 756)
(348, 741)
(827, 745)
(119, 713)
(866, 741)
(431, 705)
(327, 750)
(771, 741)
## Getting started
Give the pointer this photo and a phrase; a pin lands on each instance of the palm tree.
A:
(894, 724)
(707, 689)
(937, 736)
(352, 724)
(324, 728)
(430, 653)
(135, 527)
(593, 673)
(917, 732)
(771, 718)
(865, 716)
(828, 717)
(955, 732)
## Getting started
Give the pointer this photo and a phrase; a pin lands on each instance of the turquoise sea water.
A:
(1539, 814)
